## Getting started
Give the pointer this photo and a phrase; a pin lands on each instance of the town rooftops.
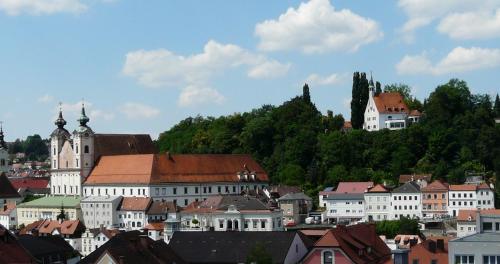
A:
(359, 242)
(465, 215)
(41, 247)
(434, 248)
(353, 187)
(11, 251)
(295, 196)
(31, 182)
(6, 188)
(463, 187)
(166, 168)
(155, 226)
(123, 144)
(479, 237)
(135, 203)
(67, 227)
(390, 103)
(53, 202)
(404, 178)
(162, 207)
(230, 247)
(409, 187)
(436, 186)
(225, 202)
(379, 188)
(93, 199)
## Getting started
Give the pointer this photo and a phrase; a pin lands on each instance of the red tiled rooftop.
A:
(464, 214)
(34, 183)
(135, 203)
(390, 103)
(353, 187)
(463, 187)
(435, 186)
(378, 188)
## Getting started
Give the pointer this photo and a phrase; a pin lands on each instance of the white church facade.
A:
(387, 110)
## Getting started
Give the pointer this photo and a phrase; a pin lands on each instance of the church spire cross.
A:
(60, 122)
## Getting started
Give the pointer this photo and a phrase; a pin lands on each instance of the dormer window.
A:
(327, 257)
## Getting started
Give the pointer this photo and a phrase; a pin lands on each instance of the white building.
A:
(470, 197)
(345, 207)
(94, 238)
(100, 211)
(466, 222)
(407, 201)
(8, 216)
(385, 110)
(181, 179)
(132, 213)
(230, 213)
(378, 203)
(4, 154)
(73, 156)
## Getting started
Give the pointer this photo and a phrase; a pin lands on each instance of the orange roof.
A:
(347, 124)
(435, 186)
(378, 188)
(490, 212)
(314, 232)
(164, 168)
(135, 203)
(327, 240)
(67, 227)
(464, 214)
(415, 113)
(463, 187)
(155, 226)
(483, 186)
(390, 103)
(424, 252)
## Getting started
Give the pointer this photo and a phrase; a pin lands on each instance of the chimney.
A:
(400, 256)
(413, 242)
(440, 244)
(432, 246)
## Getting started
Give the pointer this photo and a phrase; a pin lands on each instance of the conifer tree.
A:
(355, 102)
(378, 88)
(496, 107)
(305, 93)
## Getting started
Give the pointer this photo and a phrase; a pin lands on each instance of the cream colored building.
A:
(49, 208)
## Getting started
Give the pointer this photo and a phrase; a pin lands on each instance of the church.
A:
(4, 153)
(73, 155)
(387, 110)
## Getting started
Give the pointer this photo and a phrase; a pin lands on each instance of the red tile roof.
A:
(484, 186)
(353, 187)
(464, 214)
(415, 113)
(67, 227)
(30, 182)
(347, 124)
(379, 188)
(155, 226)
(164, 168)
(429, 250)
(404, 178)
(135, 203)
(436, 186)
(390, 103)
(355, 239)
(463, 187)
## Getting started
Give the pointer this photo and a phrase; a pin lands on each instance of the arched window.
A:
(86, 150)
(328, 257)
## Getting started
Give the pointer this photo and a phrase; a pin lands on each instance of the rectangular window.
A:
(218, 189)
(157, 191)
(174, 190)
(464, 259)
(195, 189)
(164, 191)
(209, 189)
(185, 202)
(185, 190)
(204, 189)
(262, 224)
(487, 226)
(234, 189)
(491, 259)
(227, 189)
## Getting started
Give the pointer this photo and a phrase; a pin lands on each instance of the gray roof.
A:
(409, 187)
(479, 237)
(241, 203)
(345, 196)
(295, 196)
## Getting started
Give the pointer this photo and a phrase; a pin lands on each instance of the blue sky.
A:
(142, 66)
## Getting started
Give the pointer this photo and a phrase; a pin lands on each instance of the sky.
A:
(142, 66)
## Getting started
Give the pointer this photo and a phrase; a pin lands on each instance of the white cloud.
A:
(458, 60)
(41, 7)
(137, 111)
(316, 27)
(464, 19)
(194, 95)
(45, 98)
(100, 114)
(163, 68)
(332, 79)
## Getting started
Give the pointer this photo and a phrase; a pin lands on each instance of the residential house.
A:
(160, 211)
(407, 201)
(36, 186)
(378, 203)
(49, 207)
(358, 244)
(235, 247)
(8, 194)
(435, 199)
(70, 230)
(466, 222)
(231, 213)
(11, 251)
(295, 207)
(100, 211)
(346, 203)
(181, 179)
(93, 238)
(8, 216)
(131, 248)
(433, 250)
(481, 247)
(421, 179)
(132, 212)
(385, 110)
(49, 249)
(155, 230)
(470, 196)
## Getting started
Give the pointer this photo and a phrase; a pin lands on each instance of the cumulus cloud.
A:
(46, 98)
(41, 7)
(316, 27)
(100, 114)
(194, 95)
(458, 60)
(163, 68)
(462, 19)
(72, 111)
(137, 111)
(332, 79)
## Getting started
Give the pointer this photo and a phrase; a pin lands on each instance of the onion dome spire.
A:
(60, 122)
(83, 117)
(2, 141)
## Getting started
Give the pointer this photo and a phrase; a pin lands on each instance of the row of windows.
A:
(406, 207)
(378, 207)
(334, 211)
(434, 206)
(72, 189)
(405, 197)
(97, 213)
(429, 196)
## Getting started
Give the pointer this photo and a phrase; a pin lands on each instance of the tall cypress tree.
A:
(355, 108)
(496, 107)
(363, 97)
(378, 88)
(305, 93)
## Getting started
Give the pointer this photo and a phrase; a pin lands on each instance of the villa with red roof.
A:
(387, 110)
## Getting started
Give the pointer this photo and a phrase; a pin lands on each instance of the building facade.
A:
(407, 201)
(100, 211)
(295, 207)
(49, 208)
(435, 199)
(378, 203)
(345, 207)
(470, 197)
